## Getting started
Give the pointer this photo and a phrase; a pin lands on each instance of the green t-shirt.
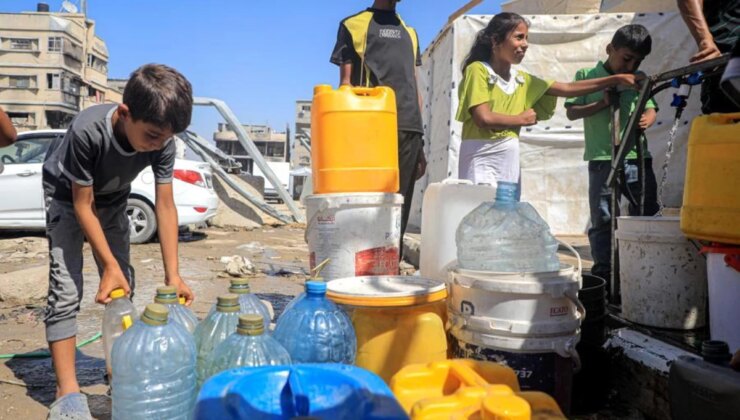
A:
(598, 127)
(476, 88)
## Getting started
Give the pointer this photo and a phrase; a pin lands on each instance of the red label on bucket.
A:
(559, 311)
(377, 262)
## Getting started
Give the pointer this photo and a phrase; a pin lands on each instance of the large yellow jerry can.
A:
(711, 196)
(354, 140)
(469, 389)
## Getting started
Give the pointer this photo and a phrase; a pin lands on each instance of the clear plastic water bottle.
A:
(506, 236)
(119, 315)
(248, 302)
(154, 369)
(212, 331)
(250, 346)
(179, 313)
(316, 330)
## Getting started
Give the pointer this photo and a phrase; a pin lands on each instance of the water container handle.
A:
(296, 394)
(366, 91)
(467, 376)
(723, 119)
(574, 356)
(579, 306)
(578, 258)
(457, 181)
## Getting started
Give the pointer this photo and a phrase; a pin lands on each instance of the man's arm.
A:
(693, 14)
(84, 207)
(345, 74)
(168, 233)
(8, 134)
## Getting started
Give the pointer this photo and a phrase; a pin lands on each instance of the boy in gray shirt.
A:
(87, 179)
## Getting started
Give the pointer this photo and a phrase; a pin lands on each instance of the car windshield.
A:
(27, 150)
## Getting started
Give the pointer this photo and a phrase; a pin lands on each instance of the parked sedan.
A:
(22, 195)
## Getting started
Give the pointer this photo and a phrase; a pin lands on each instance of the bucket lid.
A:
(555, 283)
(383, 291)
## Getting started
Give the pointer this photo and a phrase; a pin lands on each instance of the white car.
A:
(22, 195)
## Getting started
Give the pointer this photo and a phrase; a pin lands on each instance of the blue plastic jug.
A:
(316, 330)
(325, 391)
(153, 369)
(506, 236)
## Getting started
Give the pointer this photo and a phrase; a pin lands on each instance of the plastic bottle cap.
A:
(506, 192)
(239, 287)
(251, 324)
(228, 303)
(316, 287)
(505, 408)
(166, 295)
(117, 293)
(155, 314)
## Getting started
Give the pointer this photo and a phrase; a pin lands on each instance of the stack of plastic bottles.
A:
(179, 313)
(154, 369)
(315, 330)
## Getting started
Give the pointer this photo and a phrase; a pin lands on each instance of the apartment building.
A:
(52, 65)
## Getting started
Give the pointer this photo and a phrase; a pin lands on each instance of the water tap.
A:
(684, 85)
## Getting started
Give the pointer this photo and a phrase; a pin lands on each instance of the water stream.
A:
(666, 163)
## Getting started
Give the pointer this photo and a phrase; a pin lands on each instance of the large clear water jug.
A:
(118, 316)
(316, 330)
(250, 346)
(249, 303)
(506, 236)
(179, 313)
(212, 331)
(154, 369)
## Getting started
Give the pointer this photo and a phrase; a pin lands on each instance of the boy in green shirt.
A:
(629, 46)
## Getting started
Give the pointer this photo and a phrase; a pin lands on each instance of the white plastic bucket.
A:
(663, 277)
(724, 301)
(445, 204)
(359, 233)
(543, 364)
(534, 304)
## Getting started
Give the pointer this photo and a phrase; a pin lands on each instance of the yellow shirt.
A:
(476, 89)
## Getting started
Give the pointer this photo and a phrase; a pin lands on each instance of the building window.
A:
(53, 81)
(21, 44)
(55, 44)
(19, 82)
(97, 63)
(306, 108)
(22, 119)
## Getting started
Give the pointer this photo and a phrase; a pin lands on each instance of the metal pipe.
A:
(614, 287)
(303, 141)
(253, 152)
(250, 197)
(192, 137)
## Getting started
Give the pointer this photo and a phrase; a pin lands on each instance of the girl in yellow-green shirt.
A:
(496, 100)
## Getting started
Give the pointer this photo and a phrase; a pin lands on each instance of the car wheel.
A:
(142, 221)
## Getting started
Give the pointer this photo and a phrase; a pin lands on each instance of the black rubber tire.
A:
(142, 219)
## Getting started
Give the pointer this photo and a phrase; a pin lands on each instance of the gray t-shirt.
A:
(90, 155)
(390, 58)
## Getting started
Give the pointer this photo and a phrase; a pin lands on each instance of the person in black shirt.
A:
(376, 48)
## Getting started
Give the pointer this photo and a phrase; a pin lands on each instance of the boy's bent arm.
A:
(584, 87)
(168, 234)
(84, 207)
(576, 112)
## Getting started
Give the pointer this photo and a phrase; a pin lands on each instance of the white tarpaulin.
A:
(554, 175)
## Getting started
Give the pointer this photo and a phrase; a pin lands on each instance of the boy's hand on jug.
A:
(528, 117)
(112, 279)
(182, 289)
